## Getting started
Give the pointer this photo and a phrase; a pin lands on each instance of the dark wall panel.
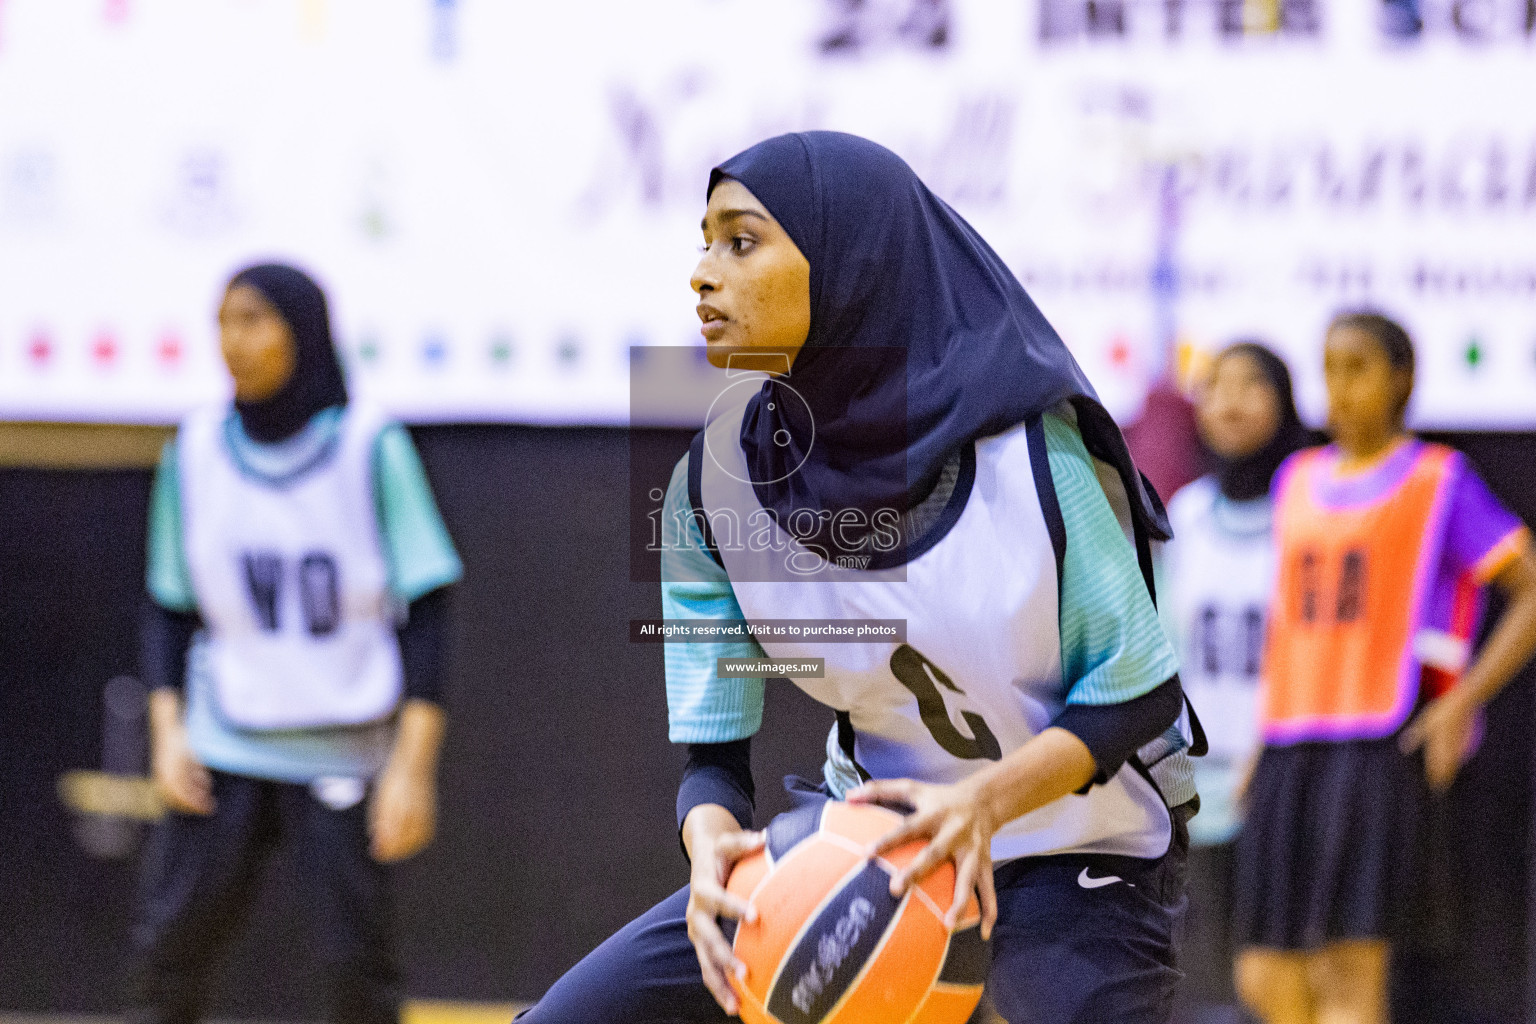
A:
(71, 561)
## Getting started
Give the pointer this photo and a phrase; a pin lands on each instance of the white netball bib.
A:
(980, 672)
(1220, 567)
(291, 579)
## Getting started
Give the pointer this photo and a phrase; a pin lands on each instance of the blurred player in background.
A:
(936, 391)
(1216, 577)
(298, 576)
(1384, 545)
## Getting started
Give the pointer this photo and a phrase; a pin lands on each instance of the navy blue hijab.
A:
(1249, 477)
(316, 382)
(921, 339)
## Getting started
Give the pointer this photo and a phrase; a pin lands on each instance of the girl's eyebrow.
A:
(732, 214)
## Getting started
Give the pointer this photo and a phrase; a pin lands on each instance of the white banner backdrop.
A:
(502, 198)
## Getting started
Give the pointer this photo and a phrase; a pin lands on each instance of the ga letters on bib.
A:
(1380, 587)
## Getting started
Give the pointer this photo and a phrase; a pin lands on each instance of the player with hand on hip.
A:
(1370, 695)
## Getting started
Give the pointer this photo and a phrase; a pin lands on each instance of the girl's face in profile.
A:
(754, 284)
(257, 343)
(1366, 393)
(1239, 411)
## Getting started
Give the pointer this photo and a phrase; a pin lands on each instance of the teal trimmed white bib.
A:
(291, 580)
(980, 673)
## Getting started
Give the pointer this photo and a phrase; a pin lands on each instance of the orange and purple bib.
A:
(1379, 589)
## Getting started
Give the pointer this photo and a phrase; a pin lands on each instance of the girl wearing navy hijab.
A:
(1215, 582)
(921, 447)
(298, 571)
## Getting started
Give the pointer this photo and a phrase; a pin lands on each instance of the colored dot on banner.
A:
(375, 223)
(115, 11)
(104, 349)
(569, 352)
(445, 34)
(501, 350)
(40, 349)
(434, 351)
(170, 349)
(1473, 354)
(368, 350)
(1120, 354)
(312, 19)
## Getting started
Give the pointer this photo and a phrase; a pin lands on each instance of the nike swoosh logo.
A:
(1096, 883)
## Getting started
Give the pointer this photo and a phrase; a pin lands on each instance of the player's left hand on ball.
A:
(402, 815)
(1444, 729)
(958, 827)
(714, 857)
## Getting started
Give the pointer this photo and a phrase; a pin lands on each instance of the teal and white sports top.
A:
(1111, 646)
(403, 548)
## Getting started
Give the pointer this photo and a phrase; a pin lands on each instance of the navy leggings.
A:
(1062, 952)
(200, 879)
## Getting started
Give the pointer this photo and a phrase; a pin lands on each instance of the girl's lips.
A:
(714, 321)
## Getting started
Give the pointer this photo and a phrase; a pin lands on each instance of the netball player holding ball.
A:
(293, 644)
(923, 448)
(1384, 546)
(1216, 576)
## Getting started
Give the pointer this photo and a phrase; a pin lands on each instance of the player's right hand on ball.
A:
(714, 854)
(185, 786)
